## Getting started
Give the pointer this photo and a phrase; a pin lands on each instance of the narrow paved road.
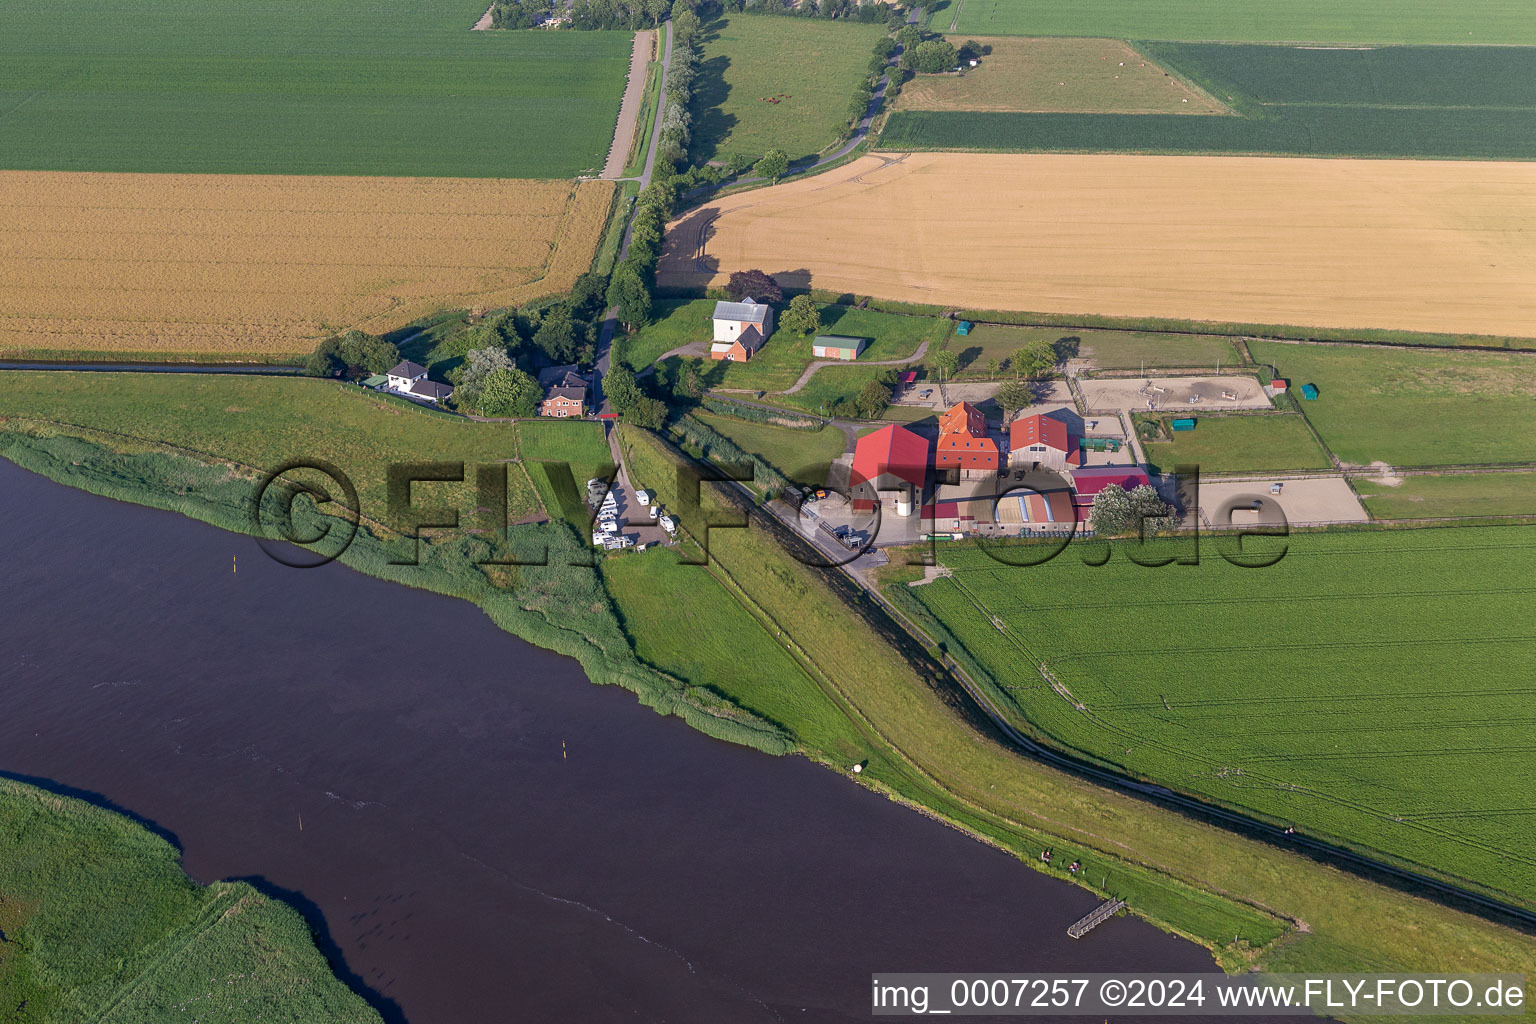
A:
(611, 321)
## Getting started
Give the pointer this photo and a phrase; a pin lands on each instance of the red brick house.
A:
(565, 394)
(964, 445)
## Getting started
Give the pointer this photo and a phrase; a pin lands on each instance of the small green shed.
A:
(1309, 392)
(964, 328)
(1184, 423)
(835, 346)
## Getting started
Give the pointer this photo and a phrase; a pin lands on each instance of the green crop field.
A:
(1459, 494)
(1238, 444)
(1290, 21)
(1434, 102)
(387, 87)
(1414, 407)
(99, 922)
(1373, 687)
(810, 66)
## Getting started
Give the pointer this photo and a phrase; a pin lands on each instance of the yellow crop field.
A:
(264, 265)
(1398, 244)
(1101, 76)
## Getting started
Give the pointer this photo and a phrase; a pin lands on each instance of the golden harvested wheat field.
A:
(267, 264)
(1415, 245)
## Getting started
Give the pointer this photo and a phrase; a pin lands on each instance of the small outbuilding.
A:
(1279, 384)
(1183, 423)
(964, 328)
(835, 346)
(1309, 392)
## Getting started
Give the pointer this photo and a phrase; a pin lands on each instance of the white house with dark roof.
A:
(740, 329)
(410, 379)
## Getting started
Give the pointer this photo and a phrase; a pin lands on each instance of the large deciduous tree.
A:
(803, 316)
(773, 166)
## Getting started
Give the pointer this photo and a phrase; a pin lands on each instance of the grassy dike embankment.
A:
(97, 921)
(814, 666)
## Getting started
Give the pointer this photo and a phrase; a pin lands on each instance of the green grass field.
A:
(1105, 349)
(1430, 497)
(779, 363)
(661, 602)
(388, 87)
(1373, 687)
(1474, 102)
(1237, 444)
(1290, 21)
(811, 66)
(1414, 407)
(801, 455)
(98, 918)
(266, 422)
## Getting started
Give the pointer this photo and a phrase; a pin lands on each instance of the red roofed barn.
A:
(1086, 483)
(964, 444)
(892, 458)
(1044, 440)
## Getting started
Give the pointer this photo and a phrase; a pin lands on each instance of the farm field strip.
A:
(1352, 688)
(262, 265)
(326, 87)
(1442, 102)
(1327, 243)
(1462, 494)
(1060, 75)
(1290, 21)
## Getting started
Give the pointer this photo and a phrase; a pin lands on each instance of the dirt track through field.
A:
(629, 110)
(1417, 245)
(267, 264)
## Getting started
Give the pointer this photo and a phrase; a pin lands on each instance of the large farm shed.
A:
(891, 459)
(835, 346)
(1043, 439)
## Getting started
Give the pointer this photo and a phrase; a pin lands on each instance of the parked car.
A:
(1275, 488)
(654, 511)
(925, 394)
(819, 494)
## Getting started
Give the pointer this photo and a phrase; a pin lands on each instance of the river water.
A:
(477, 832)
